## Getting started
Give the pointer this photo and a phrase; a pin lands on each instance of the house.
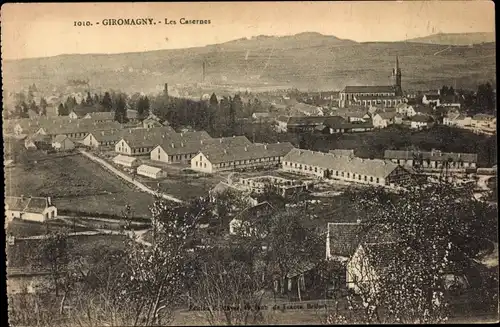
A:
(345, 168)
(75, 129)
(62, 143)
(342, 240)
(100, 117)
(250, 219)
(130, 162)
(420, 121)
(73, 115)
(132, 115)
(38, 142)
(383, 119)
(32, 208)
(150, 123)
(151, 172)
(398, 119)
(263, 116)
(140, 141)
(387, 101)
(214, 159)
(450, 118)
(431, 100)
(406, 110)
(103, 138)
(299, 108)
(434, 159)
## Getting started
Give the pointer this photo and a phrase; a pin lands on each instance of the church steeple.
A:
(396, 75)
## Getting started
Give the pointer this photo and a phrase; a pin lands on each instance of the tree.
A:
(435, 229)
(62, 110)
(485, 97)
(89, 101)
(143, 106)
(106, 102)
(120, 110)
(43, 106)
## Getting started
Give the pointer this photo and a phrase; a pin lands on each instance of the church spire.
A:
(397, 64)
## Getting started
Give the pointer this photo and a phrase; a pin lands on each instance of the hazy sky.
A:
(40, 30)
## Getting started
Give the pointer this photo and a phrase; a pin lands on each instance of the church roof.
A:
(370, 89)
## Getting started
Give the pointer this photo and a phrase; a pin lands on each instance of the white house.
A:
(130, 162)
(383, 119)
(248, 221)
(62, 143)
(73, 115)
(420, 121)
(431, 99)
(102, 138)
(151, 172)
(405, 110)
(32, 208)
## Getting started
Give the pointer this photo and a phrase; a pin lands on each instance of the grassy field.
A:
(23, 228)
(75, 184)
(20, 254)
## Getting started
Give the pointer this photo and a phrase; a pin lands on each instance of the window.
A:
(365, 178)
(158, 155)
(196, 163)
(371, 178)
(310, 168)
(359, 177)
(336, 173)
(348, 175)
(205, 165)
(342, 174)
(315, 169)
(378, 180)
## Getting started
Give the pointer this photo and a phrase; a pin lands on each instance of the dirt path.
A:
(141, 186)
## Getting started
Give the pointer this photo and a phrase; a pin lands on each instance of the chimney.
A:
(358, 221)
(163, 136)
(225, 151)
(265, 146)
(182, 144)
(102, 133)
(246, 149)
(130, 131)
(220, 140)
(173, 145)
(49, 201)
(182, 134)
(201, 141)
(233, 136)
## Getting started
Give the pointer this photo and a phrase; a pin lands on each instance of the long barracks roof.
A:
(431, 155)
(246, 152)
(147, 137)
(369, 167)
(369, 89)
(184, 143)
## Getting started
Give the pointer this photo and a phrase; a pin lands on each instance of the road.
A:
(120, 174)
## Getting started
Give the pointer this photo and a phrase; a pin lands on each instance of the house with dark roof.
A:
(32, 208)
(101, 139)
(62, 143)
(38, 142)
(216, 158)
(384, 119)
(434, 159)
(248, 221)
(433, 100)
(420, 121)
(345, 168)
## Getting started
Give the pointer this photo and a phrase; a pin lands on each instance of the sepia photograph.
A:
(250, 163)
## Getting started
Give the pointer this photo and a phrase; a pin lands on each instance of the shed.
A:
(150, 171)
(63, 143)
(126, 161)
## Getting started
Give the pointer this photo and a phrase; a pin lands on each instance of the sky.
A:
(42, 30)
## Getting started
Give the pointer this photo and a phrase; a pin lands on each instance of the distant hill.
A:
(456, 38)
(305, 61)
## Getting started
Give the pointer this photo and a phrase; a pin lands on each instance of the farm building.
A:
(214, 159)
(140, 141)
(102, 138)
(63, 143)
(76, 129)
(32, 208)
(37, 142)
(345, 168)
(151, 172)
(126, 161)
(285, 187)
(183, 148)
(434, 159)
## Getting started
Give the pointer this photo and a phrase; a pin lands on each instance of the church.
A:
(378, 95)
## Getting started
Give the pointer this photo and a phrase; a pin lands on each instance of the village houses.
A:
(384, 119)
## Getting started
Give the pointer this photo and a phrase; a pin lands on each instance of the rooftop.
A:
(369, 89)
(431, 155)
(31, 204)
(246, 152)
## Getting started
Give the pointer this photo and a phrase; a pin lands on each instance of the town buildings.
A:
(345, 168)
(101, 139)
(215, 159)
(386, 95)
(140, 141)
(384, 119)
(284, 187)
(323, 124)
(434, 159)
(33, 208)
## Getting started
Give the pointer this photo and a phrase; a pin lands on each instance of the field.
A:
(23, 228)
(19, 254)
(75, 184)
